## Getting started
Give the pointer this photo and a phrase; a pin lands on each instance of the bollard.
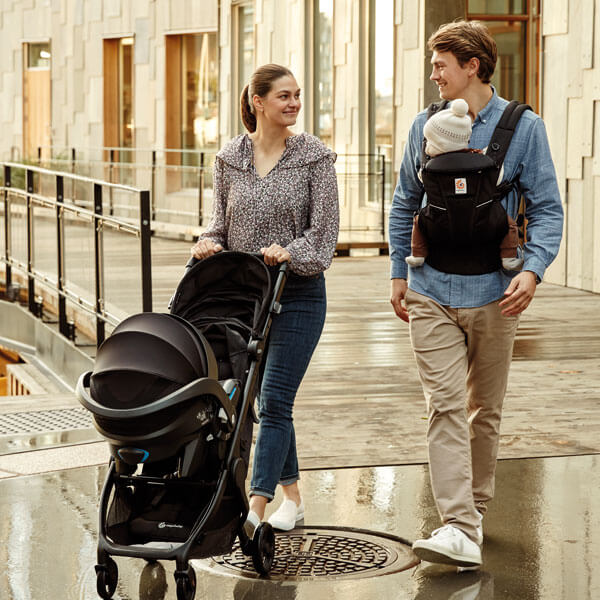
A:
(13, 292)
(71, 332)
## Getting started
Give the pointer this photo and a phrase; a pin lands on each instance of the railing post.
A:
(30, 278)
(146, 258)
(73, 161)
(60, 256)
(153, 185)
(7, 184)
(200, 188)
(99, 264)
(110, 179)
(39, 156)
(382, 156)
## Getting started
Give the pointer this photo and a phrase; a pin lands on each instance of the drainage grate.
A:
(45, 420)
(335, 553)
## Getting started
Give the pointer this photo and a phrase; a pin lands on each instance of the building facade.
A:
(161, 74)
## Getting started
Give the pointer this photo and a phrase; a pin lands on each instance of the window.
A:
(118, 95)
(37, 129)
(38, 56)
(126, 92)
(498, 7)
(381, 101)
(514, 24)
(199, 94)
(244, 55)
(383, 73)
(192, 106)
(323, 71)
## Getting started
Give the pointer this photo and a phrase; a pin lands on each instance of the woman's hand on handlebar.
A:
(205, 248)
(275, 254)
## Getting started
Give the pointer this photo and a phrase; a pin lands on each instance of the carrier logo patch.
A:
(460, 185)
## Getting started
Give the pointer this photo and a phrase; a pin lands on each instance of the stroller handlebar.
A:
(283, 267)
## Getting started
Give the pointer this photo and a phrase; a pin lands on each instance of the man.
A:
(462, 327)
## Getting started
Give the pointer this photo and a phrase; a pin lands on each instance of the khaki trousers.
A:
(463, 356)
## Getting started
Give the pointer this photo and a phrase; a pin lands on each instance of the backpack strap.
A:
(431, 109)
(498, 146)
(500, 142)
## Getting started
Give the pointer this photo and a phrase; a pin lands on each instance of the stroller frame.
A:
(262, 545)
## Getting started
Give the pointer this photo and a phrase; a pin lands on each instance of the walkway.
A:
(360, 423)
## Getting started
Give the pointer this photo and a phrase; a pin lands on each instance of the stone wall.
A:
(570, 84)
(570, 107)
(76, 30)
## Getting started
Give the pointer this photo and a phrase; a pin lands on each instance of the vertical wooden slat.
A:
(173, 95)
(173, 117)
(37, 108)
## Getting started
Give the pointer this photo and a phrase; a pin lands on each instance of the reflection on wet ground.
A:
(542, 537)
(51, 439)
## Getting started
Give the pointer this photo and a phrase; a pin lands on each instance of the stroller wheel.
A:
(264, 548)
(186, 584)
(107, 576)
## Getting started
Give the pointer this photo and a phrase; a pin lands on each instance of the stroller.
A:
(173, 394)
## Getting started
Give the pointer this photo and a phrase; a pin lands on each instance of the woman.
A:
(276, 192)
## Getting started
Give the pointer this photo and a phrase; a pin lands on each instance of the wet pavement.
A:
(542, 537)
(360, 424)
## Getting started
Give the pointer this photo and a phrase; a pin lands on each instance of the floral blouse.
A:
(295, 205)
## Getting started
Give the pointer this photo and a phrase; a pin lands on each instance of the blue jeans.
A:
(294, 335)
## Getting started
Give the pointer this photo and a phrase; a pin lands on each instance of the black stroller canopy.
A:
(162, 326)
(148, 356)
(234, 284)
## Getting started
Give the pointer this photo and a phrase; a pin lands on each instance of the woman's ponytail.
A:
(248, 118)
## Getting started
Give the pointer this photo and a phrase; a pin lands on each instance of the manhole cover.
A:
(45, 420)
(334, 553)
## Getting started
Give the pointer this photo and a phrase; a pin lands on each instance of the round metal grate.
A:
(45, 420)
(334, 553)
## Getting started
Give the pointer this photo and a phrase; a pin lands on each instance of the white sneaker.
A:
(287, 515)
(252, 522)
(448, 545)
(479, 530)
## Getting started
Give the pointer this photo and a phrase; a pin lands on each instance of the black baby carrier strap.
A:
(500, 142)
(463, 220)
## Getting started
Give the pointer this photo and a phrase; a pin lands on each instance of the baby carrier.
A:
(463, 219)
(173, 395)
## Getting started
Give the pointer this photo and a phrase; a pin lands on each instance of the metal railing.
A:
(35, 200)
(180, 182)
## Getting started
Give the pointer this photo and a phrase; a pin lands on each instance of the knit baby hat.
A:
(449, 129)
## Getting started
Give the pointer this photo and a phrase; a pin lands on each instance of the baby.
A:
(449, 130)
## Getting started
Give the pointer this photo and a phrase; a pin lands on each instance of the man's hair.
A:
(467, 40)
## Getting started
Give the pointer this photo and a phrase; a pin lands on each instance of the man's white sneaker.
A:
(448, 545)
(287, 515)
(479, 543)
